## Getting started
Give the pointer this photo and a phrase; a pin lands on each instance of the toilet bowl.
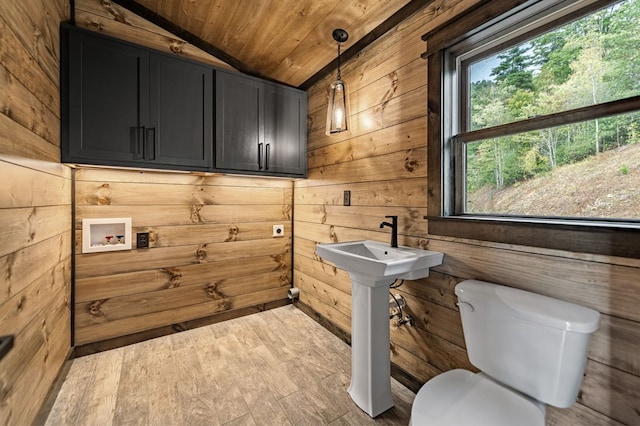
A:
(461, 397)
(531, 350)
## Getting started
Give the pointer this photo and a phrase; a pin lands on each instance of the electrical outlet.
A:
(347, 198)
(142, 240)
(278, 230)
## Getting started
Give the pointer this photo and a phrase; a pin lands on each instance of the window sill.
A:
(610, 238)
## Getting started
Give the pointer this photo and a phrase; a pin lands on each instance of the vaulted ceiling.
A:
(288, 41)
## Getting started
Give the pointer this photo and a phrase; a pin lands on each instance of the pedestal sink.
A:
(373, 266)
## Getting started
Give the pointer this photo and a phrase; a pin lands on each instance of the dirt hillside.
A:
(606, 185)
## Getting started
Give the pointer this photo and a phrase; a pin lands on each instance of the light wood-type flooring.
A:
(277, 367)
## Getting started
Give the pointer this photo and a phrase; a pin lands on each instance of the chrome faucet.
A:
(394, 229)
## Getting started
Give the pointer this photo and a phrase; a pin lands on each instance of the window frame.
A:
(493, 21)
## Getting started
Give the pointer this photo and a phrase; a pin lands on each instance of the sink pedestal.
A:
(370, 385)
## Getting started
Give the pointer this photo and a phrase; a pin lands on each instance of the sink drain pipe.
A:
(396, 304)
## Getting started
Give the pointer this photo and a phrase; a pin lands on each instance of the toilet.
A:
(531, 351)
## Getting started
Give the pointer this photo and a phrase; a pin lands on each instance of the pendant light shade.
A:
(337, 111)
(338, 108)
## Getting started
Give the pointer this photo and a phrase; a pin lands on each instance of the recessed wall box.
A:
(99, 235)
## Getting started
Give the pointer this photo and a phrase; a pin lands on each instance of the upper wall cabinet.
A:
(239, 122)
(180, 113)
(285, 129)
(260, 126)
(129, 106)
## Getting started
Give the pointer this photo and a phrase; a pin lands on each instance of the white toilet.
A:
(530, 348)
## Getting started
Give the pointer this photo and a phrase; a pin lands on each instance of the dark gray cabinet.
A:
(285, 130)
(260, 126)
(239, 122)
(129, 106)
(104, 89)
(126, 105)
(181, 113)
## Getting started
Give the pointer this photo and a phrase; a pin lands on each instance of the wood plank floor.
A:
(277, 367)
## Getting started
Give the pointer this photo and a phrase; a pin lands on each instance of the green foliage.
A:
(534, 163)
(553, 57)
(592, 60)
(519, 102)
(515, 69)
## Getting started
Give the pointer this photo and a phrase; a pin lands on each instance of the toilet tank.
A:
(532, 343)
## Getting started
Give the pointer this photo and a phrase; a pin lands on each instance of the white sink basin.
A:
(380, 260)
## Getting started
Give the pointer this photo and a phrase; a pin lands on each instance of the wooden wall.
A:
(212, 253)
(211, 249)
(35, 208)
(383, 163)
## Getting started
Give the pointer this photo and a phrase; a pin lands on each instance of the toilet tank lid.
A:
(529, 306)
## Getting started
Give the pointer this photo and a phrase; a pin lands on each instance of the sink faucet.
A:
(394, 229)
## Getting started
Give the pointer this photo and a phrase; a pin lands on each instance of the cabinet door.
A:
(107, 100)
(239, 123)
(181, 113)
(285, 128)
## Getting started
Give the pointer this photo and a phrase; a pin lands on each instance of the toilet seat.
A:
(460, 397)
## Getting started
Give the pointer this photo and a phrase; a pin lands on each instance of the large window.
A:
(539, 123)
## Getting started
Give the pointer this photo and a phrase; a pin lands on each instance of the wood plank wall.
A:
(212, 253)
(383, 163)
(211, 249)
(35, 208)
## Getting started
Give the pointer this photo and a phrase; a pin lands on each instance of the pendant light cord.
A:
(339, 77)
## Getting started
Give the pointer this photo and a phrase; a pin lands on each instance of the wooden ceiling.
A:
(288, 41)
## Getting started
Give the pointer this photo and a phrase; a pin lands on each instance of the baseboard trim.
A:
(317, 317)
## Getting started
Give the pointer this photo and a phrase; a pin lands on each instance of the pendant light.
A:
(338, 108)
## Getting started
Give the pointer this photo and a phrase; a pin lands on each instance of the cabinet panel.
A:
(105, 115)
(181, 118)
(239, 122)
(260, 126)
(285, 130)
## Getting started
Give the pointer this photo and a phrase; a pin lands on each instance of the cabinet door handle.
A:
(137, 135)
(266, 156)
(152, 150)
(260, 156)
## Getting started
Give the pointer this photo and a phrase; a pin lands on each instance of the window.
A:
(537, 127)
